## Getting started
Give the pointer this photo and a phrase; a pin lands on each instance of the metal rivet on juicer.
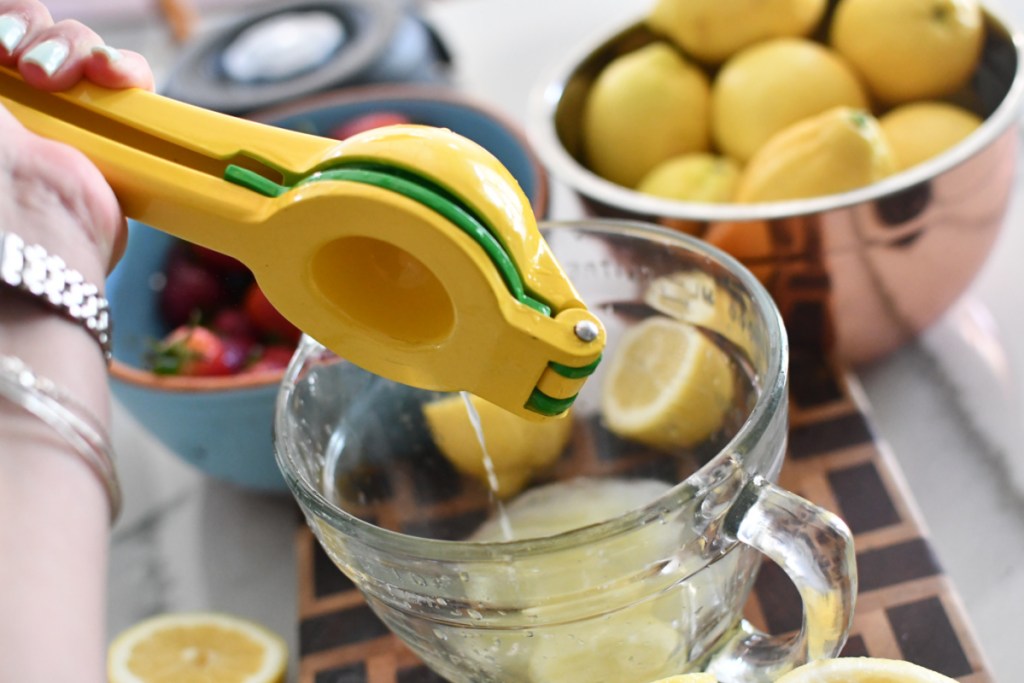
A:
(586, 331)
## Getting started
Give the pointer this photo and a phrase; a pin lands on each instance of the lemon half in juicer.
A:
(408, 250)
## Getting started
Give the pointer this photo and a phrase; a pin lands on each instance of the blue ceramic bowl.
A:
(222, 425)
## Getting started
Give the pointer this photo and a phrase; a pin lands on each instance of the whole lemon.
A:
(644, 107)
(774, 84)
(921, 130)
(695, 177)
(714, 30)
(909, 49)
(836, 151)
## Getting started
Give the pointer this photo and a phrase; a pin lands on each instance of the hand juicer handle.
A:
(164, 159)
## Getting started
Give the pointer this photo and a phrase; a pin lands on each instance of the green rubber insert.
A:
(419, 190)
(253, 181)
(571, 372)
(539, 402)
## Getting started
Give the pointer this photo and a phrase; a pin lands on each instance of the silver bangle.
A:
(41, 397)
(29, 269)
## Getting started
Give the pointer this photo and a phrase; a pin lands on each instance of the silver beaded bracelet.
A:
(41, 397)
(29, 269)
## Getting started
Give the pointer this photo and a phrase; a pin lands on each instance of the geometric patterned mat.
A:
(907, 608)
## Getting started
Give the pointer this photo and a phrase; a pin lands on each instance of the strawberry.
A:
(198, 352)
(266, 319)
(234, 323)
(190, 290)
(274, 357)
(366, 122)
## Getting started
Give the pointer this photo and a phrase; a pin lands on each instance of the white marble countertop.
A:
(950, 405)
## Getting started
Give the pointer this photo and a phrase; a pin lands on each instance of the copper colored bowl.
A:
(854, 274)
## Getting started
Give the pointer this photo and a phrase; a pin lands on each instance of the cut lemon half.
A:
(689, 678)
(517, 448)
(668, 385)
(191, 647)
(862, 670)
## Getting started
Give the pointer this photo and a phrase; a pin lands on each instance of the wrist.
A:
(28, 270)
(67, 239)
(58, 425)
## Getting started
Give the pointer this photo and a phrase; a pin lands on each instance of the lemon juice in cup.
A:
(618, 544)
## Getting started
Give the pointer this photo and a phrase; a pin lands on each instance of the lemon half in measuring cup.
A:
(668, 385)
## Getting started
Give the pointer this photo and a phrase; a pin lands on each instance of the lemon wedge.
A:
(187, 647)
(517, 448)
(862, 670)
(668, 385)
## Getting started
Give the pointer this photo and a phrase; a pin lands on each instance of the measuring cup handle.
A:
(815, 549)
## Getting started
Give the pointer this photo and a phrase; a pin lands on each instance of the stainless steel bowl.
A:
(855, 274)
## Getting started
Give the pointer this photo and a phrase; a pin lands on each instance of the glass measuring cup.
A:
(650, 575)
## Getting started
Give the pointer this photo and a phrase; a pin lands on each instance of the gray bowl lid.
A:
(362, 41)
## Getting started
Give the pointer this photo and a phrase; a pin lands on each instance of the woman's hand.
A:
(50, 503)
(50, 193)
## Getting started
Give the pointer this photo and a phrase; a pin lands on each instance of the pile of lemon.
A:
(769, 100)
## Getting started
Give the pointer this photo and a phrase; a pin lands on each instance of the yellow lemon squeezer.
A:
(408, 250)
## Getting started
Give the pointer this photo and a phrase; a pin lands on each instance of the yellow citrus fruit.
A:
(689, 678)
(774, 84)
(666, 385)
(837, 151)
(628, 651)
(908, 50)
(644, 107)
(695, 177)
(919, 131)
(714, 30)
(188, 647)
(517, 447)
(862, 670)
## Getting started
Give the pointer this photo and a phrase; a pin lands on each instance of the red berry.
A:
(237, 353)
(194, 351)
(190, 291)
(275, 357)
(365, 122)
(233, 323)
(274, 326)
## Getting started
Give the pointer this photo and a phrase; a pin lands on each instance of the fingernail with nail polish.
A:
(12, 30)
(111, 54)
(48, 55)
